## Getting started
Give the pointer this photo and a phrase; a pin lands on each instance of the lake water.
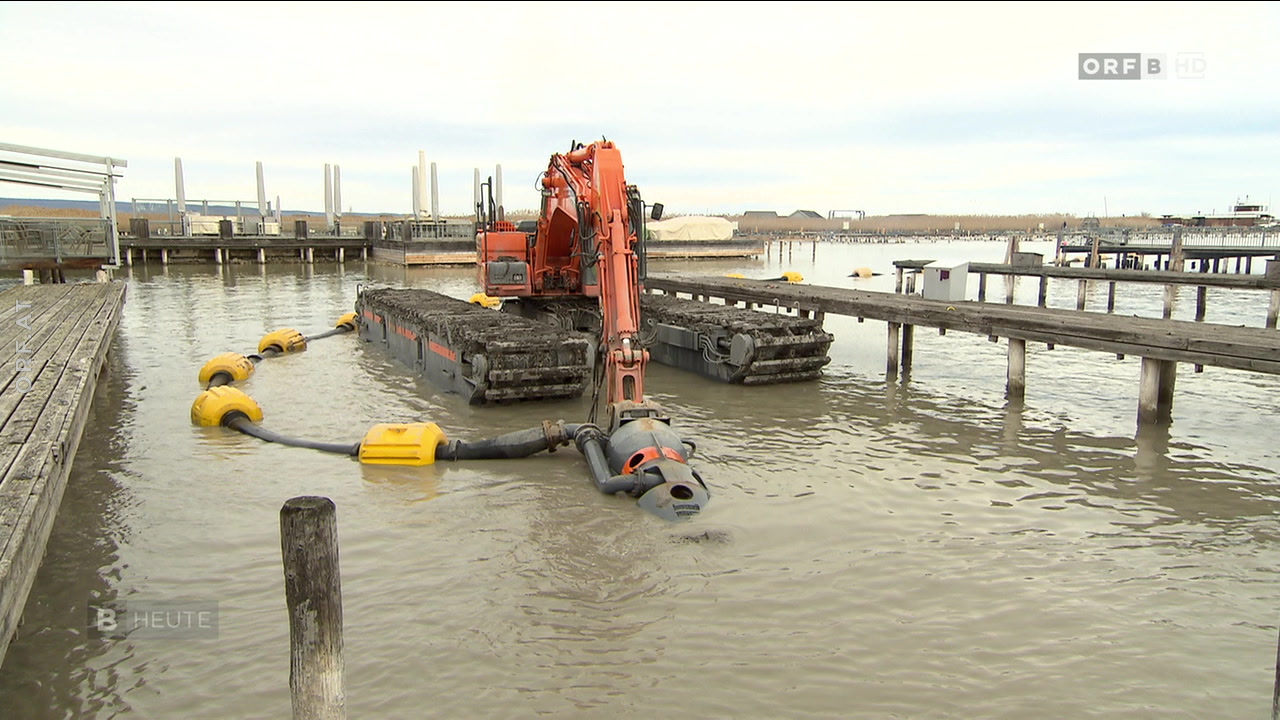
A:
(919, 548)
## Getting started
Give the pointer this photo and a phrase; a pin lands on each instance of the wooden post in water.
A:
(1177, 258)
(891, 366)
(908, 342)
(1155, 390)
(982, 287)
(1080, 293)
(897, 285)
(1202, 298)
(1273, 310)
(1093, 253)
(1111, 296)
(1044, 290)
(313, 594)
(1016, 388)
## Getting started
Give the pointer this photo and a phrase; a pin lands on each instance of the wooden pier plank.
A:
(42, 436)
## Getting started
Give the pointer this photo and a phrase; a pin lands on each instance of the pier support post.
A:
(1009, 282)
(897, 285)
(342, 255)
(1170, 296)
(982, 287)
(1111, 296)
(217, 256)
(1155, 390)
(1202, 299)
(1016, 388)
(1273, 310)
(891, 366)
(908, 345)
(313, 596)
(128, 257)
(164, 256)
(364, 253)
(262, 256)
(1081, 292)
(1044, 290)
(28, 277)
(1248, 265)
(310, 255)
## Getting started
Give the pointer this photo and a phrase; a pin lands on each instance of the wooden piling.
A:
(1111, 296)
(982, 286)
(1177, 257)
(1010, 281)
(1081, 294)
(1155, 390)
(1170, 295)
(897, 285)
(262, 256)
(217, 256)
(1016, 388)
(1202, 299)
(891, 365)
(1044, 290)
(164, 256)
(313, 595)
(1273, 310)
(908, 344)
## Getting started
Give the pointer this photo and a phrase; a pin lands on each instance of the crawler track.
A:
(482, 354)
(729, 344)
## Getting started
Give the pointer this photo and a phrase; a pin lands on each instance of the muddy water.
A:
(914, 549)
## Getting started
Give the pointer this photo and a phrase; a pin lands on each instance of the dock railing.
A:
(33, 239)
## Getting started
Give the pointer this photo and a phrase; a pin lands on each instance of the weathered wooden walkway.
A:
(1083, 276)
(1161, 343)
(53, 342)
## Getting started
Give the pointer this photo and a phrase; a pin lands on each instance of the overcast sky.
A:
(718, 107)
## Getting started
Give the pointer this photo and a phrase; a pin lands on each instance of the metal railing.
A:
(57, 239)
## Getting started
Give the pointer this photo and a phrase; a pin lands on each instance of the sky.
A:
(716, 108)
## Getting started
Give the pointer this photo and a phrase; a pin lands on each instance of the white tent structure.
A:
(693, 228)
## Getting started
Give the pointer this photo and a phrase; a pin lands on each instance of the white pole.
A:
(497, 192)
(337, 190)
(417, 194)
(422, 181)
(435, 196)
(328, 196)
(182, 192)
(262, 193)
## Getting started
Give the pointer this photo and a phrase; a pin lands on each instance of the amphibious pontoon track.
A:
(482, 354)
(725, 343)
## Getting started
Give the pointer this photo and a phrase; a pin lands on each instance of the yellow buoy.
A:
(739, 276)
(235, 365)
(793, 277)
(285, 341)
(401, 444)
(213, 405)
(347, 320)
(485, 300)
(862, 272)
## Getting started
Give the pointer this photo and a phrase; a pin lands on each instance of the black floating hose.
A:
(518, 444)
(330, 333)
(240, 422)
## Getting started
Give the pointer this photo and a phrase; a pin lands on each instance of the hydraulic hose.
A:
(240, 422)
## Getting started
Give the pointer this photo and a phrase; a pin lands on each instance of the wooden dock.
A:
(1161, 343)
(53, 342)
(242, 248)
(1202, 281)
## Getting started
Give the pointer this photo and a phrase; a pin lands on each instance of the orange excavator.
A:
(586, 243)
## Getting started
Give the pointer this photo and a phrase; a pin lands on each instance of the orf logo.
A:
(1110, 66)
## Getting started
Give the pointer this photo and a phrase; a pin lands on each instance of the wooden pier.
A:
(242, 248)
(1171, 280)
(53, 343)
(1162, 344)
